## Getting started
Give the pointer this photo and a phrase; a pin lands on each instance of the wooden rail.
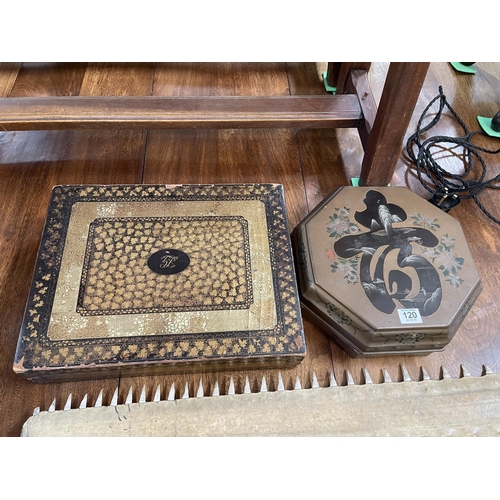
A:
(64, 113)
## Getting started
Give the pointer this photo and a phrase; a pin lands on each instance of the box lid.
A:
(139, 275)
(386, 267)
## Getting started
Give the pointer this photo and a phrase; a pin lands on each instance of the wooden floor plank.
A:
(477, 340)
(118, 79)
(310, 163)
(31, 163)
(8, 75)
(49, 79)
(231, 156)
(306, 78)
(325, 154)
(180, 80)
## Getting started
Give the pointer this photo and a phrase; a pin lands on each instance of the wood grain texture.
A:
(326, 154)
(127, 113)
(31, 163)
(220, 156)
(357, 83)
(346, 147)
(477, 342)
(332, 73)
(8, 76)
(344, 72)
(306, 78)
(118, 79)
(220, 79)
(309, 163)
(49, 79)
(401, 91)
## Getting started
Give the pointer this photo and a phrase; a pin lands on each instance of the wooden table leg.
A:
(399, 97)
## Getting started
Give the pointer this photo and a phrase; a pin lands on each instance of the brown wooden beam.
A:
(332, 73)
(338, 73)
(357, 83)
(385, 143)
(62, 113)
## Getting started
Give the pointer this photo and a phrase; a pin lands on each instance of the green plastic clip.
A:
(355, 182)
(486, 126)
(327, 87)
(462, 68)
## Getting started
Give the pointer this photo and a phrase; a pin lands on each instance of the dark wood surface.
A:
(343, 74)
(308, 162)
(126, 113)
(401, 91)
(357, 83)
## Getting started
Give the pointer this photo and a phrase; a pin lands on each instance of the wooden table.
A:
(280, 131)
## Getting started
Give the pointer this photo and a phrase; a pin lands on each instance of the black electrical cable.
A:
(446, 187)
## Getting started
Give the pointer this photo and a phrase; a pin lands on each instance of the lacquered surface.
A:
(309, 163)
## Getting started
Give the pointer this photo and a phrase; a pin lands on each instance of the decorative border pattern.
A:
(38, 352)
(91, 249)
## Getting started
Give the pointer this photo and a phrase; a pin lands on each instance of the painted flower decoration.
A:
(446, 260)
(347, 268)
(423, 221)
(340, 224)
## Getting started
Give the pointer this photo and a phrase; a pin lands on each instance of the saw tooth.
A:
(444, 373)
(186, 392)
(114, 399)
(230, 391)
(98, 403)
(464, 372)
(350, 380)
(83, 404)
(247, 389)
(36, 411)
(128, 401)
(67, 406)
(425, 375)
(263, 386)
(52, 407)
(281, 386)
(200, 392)
(368, 379)
(297, 383)
(406, 375)
(333, 382)
(171, 394)
(387, 377)
(487, 370)
(215, 392)
(157, 395)
(142, 397)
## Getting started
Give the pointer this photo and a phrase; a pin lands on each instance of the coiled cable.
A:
(448, 188)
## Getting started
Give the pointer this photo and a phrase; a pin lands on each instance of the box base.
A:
(353, 350)
(154, 369)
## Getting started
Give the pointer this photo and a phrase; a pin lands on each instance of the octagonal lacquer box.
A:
(384, 271)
